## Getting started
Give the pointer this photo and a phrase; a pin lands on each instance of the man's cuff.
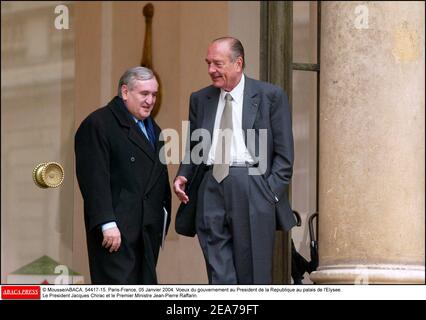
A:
(109, 225)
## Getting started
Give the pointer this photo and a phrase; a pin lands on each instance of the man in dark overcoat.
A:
(125, 186)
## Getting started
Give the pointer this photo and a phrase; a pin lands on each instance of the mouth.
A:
(216, 78)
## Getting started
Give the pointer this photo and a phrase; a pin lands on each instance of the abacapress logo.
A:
(20, 292)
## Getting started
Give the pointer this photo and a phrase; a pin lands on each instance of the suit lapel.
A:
(250, 104)
(139, 139)
(212, 100)
(157, 167)
(136, 136)
(134, 133)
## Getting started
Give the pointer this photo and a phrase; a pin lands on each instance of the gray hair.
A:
(237, 49)
(131, 75)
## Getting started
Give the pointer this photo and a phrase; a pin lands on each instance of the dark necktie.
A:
(149, 131)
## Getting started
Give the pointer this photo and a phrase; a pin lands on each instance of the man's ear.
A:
(124, 91)
(239, 62)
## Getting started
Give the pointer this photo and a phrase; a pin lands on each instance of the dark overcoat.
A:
(121, 179)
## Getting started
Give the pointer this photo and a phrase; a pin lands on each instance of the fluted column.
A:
(372, 147)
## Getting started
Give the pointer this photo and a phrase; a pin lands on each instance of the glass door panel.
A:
(37, 123)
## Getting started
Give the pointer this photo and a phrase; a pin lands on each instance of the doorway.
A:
(289, 58)
(37, 123)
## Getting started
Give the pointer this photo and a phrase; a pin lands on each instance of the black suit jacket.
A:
(121, 179)
(265, 106)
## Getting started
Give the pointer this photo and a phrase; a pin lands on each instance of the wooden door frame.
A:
(276, 57)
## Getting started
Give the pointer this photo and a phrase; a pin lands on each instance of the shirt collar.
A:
(148, 121)
(237, 92)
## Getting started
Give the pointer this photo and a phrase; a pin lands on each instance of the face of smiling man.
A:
(140, 98)
(224, 72)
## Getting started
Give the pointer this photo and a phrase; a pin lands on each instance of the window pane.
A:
(305, 31)
(303, 192)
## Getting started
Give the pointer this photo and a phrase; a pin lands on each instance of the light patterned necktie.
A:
(222, 156)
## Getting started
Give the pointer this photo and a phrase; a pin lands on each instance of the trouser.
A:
(236, 227)
(131, 264)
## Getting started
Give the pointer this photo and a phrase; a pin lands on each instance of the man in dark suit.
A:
(124, 185)
(241, 187)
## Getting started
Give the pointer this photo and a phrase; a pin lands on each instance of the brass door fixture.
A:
(48, 175)
(148, 13)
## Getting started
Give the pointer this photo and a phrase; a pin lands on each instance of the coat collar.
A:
(125, 119)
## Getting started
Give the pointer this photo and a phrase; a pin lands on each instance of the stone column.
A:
(372, 143)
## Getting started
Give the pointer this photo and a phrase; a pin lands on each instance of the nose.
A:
(150, 99)
(212, 69)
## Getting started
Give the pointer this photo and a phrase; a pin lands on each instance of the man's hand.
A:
(179, 187)
(112, 239)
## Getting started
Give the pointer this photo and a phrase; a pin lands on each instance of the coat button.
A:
(132, 159)
(145, 197)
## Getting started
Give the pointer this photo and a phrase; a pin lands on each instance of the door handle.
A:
(48, 175)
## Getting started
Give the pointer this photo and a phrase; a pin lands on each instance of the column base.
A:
(369, 274)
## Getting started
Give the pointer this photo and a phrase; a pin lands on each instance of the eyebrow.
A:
(214, 61)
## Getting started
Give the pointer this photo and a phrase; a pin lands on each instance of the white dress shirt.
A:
(239, 152)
